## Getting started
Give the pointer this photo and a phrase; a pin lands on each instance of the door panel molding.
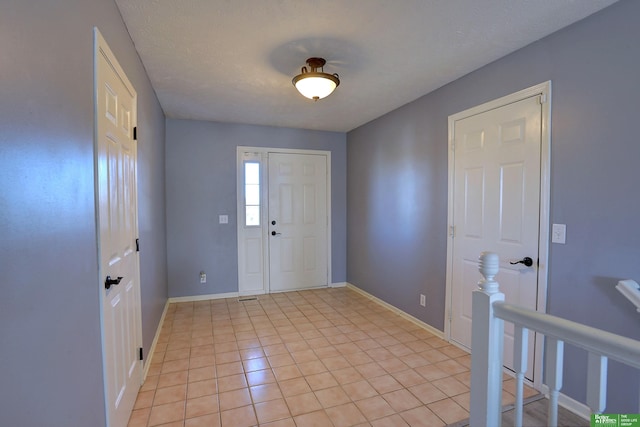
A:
(543, 90)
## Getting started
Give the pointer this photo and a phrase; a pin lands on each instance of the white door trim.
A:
(101, 48)
(544, 90)
(262, 153)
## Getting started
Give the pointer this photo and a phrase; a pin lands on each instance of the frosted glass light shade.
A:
(315, 85)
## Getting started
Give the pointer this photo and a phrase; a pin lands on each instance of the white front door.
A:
(496, 207)
(116, 204)
(297, 221)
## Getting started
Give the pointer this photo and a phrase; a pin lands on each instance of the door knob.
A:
(109, 281)
(526, 261)
(273, 233)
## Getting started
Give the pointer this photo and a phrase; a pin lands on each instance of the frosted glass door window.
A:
(252, 193)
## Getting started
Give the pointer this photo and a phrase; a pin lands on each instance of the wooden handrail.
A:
(616, 347)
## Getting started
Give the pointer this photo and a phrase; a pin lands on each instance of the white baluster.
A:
(553, 376)
(486, 343)
(520, 348)
(597, 383)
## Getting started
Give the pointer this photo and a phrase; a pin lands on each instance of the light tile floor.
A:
(327, 357)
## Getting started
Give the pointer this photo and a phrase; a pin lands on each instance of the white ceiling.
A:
(233, 60)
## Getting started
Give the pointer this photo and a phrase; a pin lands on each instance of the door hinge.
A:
(141, 354)
(542, 99)
(138, 245)
(453, 146)
(135, 133)
(452, 231)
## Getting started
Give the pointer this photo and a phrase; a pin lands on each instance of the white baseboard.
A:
(570, 404)
(204, 297)
(152, 349)
(338, 285)
(396, 310)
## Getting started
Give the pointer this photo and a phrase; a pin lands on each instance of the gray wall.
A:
(201, 184)
(50, 349)
(397, 185)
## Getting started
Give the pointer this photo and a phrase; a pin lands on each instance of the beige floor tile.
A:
(202, 388)
(144, 399)
(313, 419)
(139, 417)
(359, 390)
(284, 373)
(326, 352)
(401, 400)
(394, 420)
(409, 378)
(201, 361)
(311, 368)
(260, 377)
(202, 406)
(374, 408)
(336, 362)
(347, 375)
(210, 420)
(384, 384)
(265, 393)
(239, 417)
(451, 367)
(272, 411)
(279, 360)
(427, 393)
(393, 365)
(226, 369)
(173, 378)
(151, 383)
(294, 386)
(303, 403)
(450, 386)
(164, 414)
(321, 381)
(431, 372)
(257, 364)
(201, 374)
(345, 415)
(370, 370)
(176, 354)
(448, 410)
(228, 357)
(174, 393)
(332, 396)
(234, 399)
(422, 417)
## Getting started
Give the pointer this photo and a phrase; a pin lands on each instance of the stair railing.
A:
(489, 314)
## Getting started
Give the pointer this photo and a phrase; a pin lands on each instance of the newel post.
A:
(487, 333)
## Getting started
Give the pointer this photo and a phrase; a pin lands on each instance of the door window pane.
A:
(252, 193)
(252, 215)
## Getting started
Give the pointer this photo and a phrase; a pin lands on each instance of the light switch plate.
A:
(559, 233)
(223, 219)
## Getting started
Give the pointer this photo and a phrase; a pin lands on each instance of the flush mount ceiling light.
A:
(315, 84)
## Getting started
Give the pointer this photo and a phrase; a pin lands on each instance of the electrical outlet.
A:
(423, 300)
(203, 277)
